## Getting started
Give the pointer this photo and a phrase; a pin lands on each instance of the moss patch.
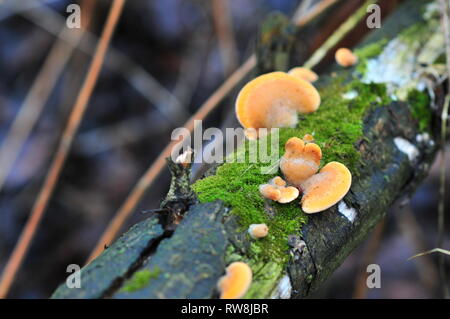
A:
(337, 126)
(420, 109)
(140, 280)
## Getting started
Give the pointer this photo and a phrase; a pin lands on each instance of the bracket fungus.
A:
(327, 188)
(304, 74)
(345, 57)
(277, 190)
(257, 231)
(236, 281)
(300, 161)
(274, 99)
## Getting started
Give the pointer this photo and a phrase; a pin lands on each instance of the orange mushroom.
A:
(236, 281)
(278, 181)
(274, 99)
(308, 138)
(270, 191)
(304, 74)
(258, 230)
(277, 190)
(300, 161)
(326, 188)
(288, 194)
(345, 57)
(253, 134)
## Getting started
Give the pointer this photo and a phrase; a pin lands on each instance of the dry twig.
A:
(62, 152)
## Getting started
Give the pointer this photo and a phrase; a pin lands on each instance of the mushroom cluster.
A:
(300, 161)
(277, 190)
(273, 100)
(299, 165)
(322, 190)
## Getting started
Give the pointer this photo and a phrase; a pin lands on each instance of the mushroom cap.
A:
(304, 74)
(277, 190)
(288, 194)
(270, 191)
(277, 181)
(274, 99)
(308, 138)
(345, 57)
(300, 161)
(326, 188)
(236, 281)
(258, 230)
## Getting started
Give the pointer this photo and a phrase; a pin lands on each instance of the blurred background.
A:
(166, 58)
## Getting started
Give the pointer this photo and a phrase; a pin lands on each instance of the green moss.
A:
(337, 126)
(140, 280)
(371, 50)
(420, 109)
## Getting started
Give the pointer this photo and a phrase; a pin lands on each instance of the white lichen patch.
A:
(407, 148)
(283, 289)
(400, 65)
(349, 212)
(350, 95)
(424, 138)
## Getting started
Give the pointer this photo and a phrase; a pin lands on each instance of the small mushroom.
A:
(270, 191)
(326, 188)
(277, 190)
(274, 99)
(304, 74)
(236, 281)
(300, 161)
(257, 231)
(345, 57)
(308, 138)
(278, 181)
(288, 194)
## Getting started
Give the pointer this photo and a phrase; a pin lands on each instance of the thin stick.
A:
(314, 12)
(441, 207)
(38, 95)
(154, 170)
(138, 78)
(57, 164)
(411, 230)
(435, 250)
(338, 35)
(225, 35)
